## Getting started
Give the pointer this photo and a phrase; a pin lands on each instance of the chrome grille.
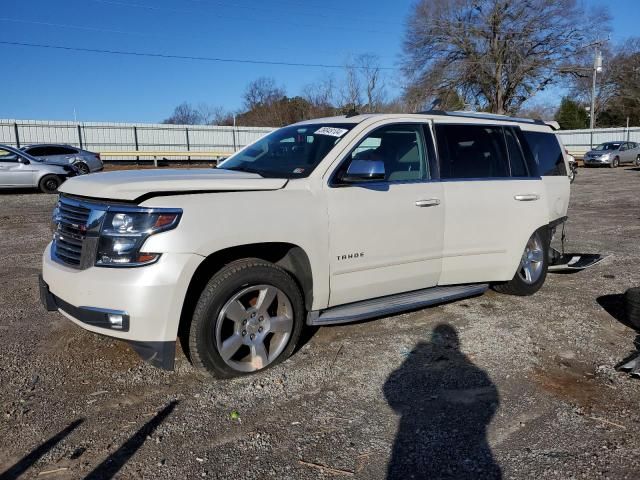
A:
(71, 231)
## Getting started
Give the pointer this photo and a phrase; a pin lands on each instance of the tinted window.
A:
(399, 147)
(516, 158)
(471, 151)
(546, 152)
(37, 151)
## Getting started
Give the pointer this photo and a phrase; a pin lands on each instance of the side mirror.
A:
(365, 171)
(24, 161)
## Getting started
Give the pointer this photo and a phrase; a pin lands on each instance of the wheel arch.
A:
(288, 256)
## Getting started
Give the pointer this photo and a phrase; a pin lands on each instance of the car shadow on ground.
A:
(110, 467)
(32, 457)
(446, 404)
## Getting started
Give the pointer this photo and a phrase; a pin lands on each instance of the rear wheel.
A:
(249, 317)
(632, 306)
(83, 168)
(532, 270)
(49, 184)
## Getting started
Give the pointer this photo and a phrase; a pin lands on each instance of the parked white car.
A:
(326, 221)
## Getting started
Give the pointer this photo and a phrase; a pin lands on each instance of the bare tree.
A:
(368, 66)
(185, 114)
(363, 86)
(262, 91)
(495, 54)
(321, 97)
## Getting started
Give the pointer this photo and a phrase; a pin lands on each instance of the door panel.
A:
(486, 228)
(381, 242)
(16, 174)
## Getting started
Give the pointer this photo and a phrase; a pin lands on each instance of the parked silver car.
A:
(20, 170)
(84, 160)
(613, 154)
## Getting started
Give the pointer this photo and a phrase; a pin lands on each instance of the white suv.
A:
(322, 222)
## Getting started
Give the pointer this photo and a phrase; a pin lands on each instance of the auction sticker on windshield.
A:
(331, 131)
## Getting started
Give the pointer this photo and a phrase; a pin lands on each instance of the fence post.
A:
(186, 131)
(135, 138)
(80, 136)
(234, 139)
(15, 131)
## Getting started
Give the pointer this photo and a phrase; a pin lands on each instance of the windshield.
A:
(290, 152)
(608, 146)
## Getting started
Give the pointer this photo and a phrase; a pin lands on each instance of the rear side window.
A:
(472, 151)
(547, 153)
(516, 158)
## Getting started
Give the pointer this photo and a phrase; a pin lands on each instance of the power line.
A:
(247, 61)
(66, 26)
(178, 57)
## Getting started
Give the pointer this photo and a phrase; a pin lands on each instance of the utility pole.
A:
(597, 68)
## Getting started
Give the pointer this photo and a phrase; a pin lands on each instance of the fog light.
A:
(115, 320)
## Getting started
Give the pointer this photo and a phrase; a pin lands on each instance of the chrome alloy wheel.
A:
(254, 327)
(532, 260)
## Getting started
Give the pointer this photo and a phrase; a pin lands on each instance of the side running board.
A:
(400, 302)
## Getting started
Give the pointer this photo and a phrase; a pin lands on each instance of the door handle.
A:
(430, 202)
(529, 197)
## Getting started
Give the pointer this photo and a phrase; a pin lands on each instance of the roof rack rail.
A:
(483, 116)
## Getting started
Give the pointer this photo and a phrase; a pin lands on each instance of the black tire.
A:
(572, 175)
(632, 306)
(49, 184)
(637, 161)
(220, 289)
(614, 163)
(83, 168)
(517, 285)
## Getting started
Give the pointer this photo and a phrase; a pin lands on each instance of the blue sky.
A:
(50, 84)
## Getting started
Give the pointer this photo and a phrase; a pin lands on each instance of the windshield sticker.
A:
(331, 131)
(298, 170)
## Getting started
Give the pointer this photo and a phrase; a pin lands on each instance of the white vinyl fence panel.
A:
(175, 141)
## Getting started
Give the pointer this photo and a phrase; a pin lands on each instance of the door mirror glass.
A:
(365, 171)
(24, 161)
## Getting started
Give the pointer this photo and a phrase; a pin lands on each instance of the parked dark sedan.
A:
(83, 160)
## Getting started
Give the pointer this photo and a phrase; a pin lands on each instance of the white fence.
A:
(580, 141)
(175, 141)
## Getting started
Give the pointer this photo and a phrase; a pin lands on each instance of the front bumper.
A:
(596, 161)
(148, 301)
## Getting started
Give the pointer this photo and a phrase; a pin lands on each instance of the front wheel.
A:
(637, 161)
(532, 270)
(249, 317)
(572, 174)
(615, 162)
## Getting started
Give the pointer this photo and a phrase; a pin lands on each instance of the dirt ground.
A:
(484, 387)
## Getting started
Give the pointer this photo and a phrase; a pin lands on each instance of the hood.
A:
(133, 184)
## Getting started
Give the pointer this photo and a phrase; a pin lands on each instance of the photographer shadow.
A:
(445, 403)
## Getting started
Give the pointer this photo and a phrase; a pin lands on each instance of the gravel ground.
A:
(523, 387)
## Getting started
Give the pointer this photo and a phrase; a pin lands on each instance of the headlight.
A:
(124, 232)
(606, 156)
